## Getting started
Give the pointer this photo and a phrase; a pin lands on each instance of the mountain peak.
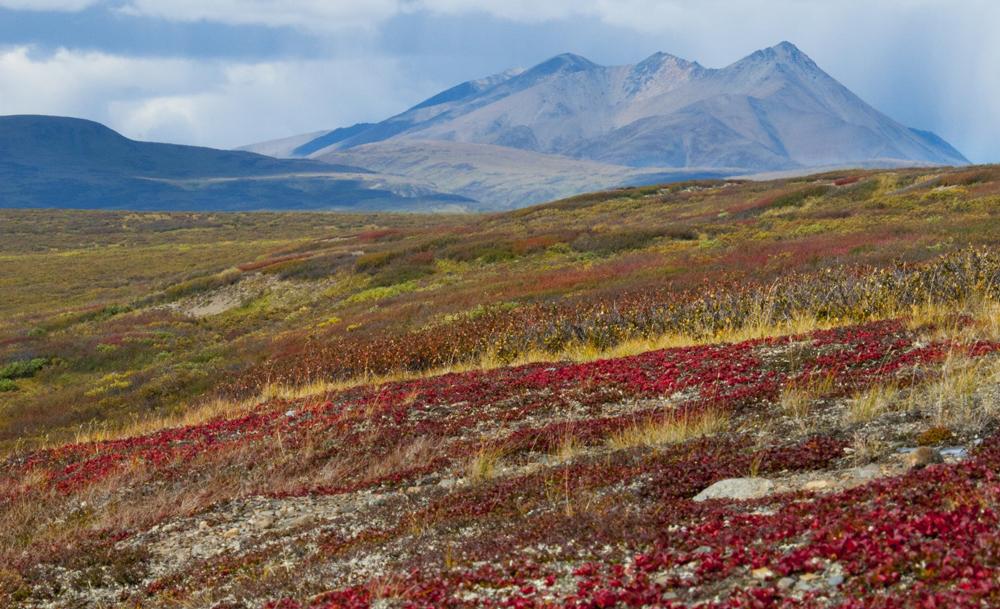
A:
(660, 59)
(782, 53)
(565, 62)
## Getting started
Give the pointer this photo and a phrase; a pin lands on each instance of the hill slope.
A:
(64, 162)
(705, 394)
(500, 176)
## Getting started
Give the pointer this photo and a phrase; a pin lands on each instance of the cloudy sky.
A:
(231, 72)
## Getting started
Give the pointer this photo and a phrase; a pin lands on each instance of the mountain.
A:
(50, 161)
(770, 111)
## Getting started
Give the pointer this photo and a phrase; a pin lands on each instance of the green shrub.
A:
(798, 197)
(317, 267)
(608, 243)
(7, 385)
(374, 261)
(23, 368)
(401, 273)
(489, 251)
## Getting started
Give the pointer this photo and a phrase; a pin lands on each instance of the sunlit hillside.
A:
(712, 393)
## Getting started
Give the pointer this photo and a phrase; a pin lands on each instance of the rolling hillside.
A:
(702, 394)
(70, 163)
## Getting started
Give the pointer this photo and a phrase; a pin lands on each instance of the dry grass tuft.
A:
(672, 429)
(872, 402)
(866, 448)
(483, 464)
(213, 409)
(961, 396)
(567, 449)
(799, 397)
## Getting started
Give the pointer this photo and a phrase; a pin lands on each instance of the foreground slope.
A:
(550, 485)
(528, 409)
(71, 163)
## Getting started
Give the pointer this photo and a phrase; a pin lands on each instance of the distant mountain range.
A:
(50, 161)
(601, 126)
(519, 137)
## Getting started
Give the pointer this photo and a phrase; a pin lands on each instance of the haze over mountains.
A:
(773, 110)
(520, 137)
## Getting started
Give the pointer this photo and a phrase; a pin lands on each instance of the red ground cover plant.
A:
(921, 537)
(729, 377)
(925, 539)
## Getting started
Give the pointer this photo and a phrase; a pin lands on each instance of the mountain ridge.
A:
(774, 109)
(48, 161)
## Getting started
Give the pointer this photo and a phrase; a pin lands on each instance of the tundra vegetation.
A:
(511, 410)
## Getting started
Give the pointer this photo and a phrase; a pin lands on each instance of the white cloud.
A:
(47, 5)
(308, 14)
(203, 102)
(928, 63)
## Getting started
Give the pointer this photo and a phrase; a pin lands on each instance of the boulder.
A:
(737, 488)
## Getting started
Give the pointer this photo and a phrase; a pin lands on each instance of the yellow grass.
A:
(797, 399)
(483, 464)
(872, 402)
(567, 449)
(671, 429)
(756, 328)
(945, 321)
(985, 324)
(957, 398)
(212, 409)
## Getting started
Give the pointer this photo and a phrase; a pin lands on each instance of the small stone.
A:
(301, 521)
(202, 526)
(263, 522)
(233, 532)
(955, 452)
(737, 488)
(803, 585)
(785, 583)
(817, 485)
(762, 573)
(923, 456)
(835, 580)
(868, 472)
(808, 577)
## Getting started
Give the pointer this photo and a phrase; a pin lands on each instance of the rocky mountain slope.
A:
(772, 110)
(48, 161)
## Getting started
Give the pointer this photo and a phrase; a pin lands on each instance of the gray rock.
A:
(955, 452)
(737, 488)
(868, 472)
(785, 583)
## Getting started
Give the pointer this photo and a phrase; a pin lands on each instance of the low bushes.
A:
(604, 244)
